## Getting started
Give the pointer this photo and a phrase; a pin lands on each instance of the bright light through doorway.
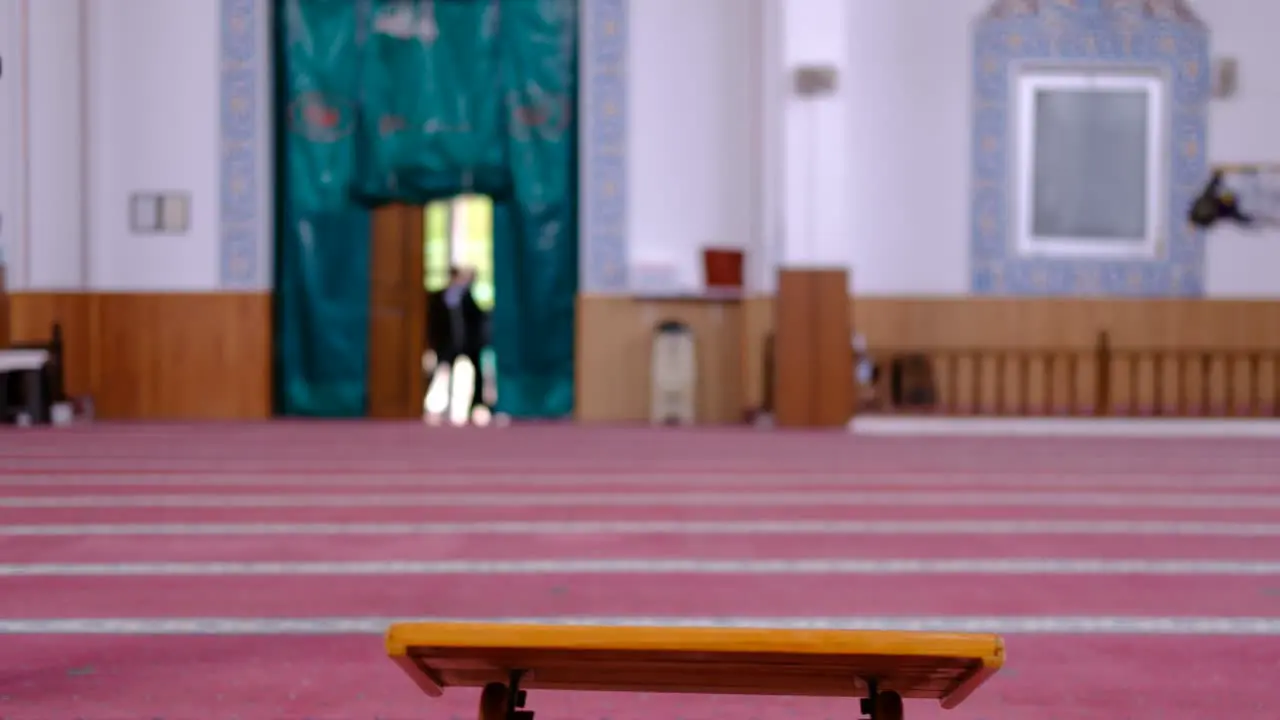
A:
(459, 232)
(448, 398)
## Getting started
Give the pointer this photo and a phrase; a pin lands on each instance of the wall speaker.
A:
(815, 80)
(1225, 78)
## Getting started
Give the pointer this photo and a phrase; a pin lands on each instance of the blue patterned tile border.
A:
(603, 181)
(240, 214)
(1160, 34)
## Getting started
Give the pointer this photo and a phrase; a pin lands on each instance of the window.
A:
(1090, 164)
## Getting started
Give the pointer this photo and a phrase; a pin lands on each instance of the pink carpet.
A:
(244, 571)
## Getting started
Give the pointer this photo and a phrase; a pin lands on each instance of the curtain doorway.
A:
(384, 106)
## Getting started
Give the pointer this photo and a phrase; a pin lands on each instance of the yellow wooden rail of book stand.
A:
(882, 667)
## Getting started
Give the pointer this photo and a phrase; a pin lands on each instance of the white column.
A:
(56, 133)
(12, 154)
(815, 198)
(766, 250)
(804, 199)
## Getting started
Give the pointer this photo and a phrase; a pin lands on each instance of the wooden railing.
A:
(988, 381)
(1104, 380)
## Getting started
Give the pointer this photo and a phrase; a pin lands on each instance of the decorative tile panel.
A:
(240, 215)
(603, 178)
(1076, 34)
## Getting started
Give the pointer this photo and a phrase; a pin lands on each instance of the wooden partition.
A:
(812, 368)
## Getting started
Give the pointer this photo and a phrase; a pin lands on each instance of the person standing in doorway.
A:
(456, 328)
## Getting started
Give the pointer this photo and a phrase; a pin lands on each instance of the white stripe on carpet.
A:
(673, 527)
(1086, 427)
(667, 499)
(1098, 480)
(378, 625)
(826, 566)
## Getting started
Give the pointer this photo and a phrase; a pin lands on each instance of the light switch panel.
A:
(174, 213)
(160, 213)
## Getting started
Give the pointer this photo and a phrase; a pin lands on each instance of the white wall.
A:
(53, 253)
(907, 89)
(11, 141)
(154, 111)
(909, 149)
(113, 99)
(693, 165)
(911, 144)
(703, 169)
(1245, 128)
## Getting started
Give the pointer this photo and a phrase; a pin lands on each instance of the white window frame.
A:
(1028, 84)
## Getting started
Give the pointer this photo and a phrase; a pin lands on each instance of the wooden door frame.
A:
(397, 312)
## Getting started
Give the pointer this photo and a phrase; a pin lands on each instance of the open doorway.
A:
(458, 240)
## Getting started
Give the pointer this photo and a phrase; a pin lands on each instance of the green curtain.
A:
(322, 247)
(536, 231)
(431, 115)
(414, 100)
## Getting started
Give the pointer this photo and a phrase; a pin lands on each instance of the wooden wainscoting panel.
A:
(4, 308)
(1076, 323)
(1048, 322)
(1033, 323)
(159, 356)
(183, 356)
(614, 339)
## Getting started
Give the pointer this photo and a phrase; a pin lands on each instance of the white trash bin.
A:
(674, 375)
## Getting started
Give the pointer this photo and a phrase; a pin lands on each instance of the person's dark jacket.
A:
(440, 330)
